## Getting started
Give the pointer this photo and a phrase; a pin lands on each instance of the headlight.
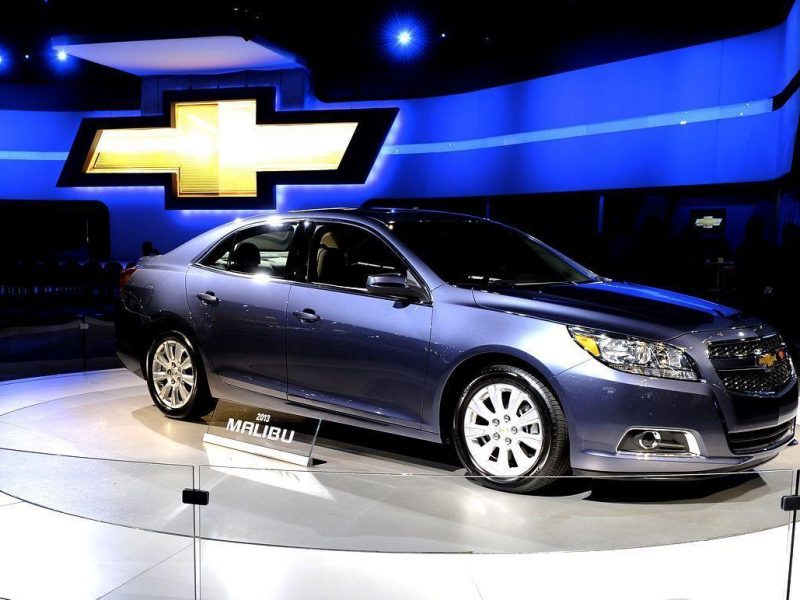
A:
(641, 357)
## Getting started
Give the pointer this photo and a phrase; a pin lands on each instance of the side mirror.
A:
(394, 286)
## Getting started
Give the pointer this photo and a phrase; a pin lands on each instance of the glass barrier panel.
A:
(793, 592)
(100, 344)
(302, 534)
(37, 349)
(74, 527)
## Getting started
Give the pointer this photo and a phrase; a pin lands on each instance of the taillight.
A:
(125, 276)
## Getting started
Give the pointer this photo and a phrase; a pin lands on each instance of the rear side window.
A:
(259, 250)
(262, 250)
(220, 255)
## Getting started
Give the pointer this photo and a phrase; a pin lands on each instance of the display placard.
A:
(270, 433)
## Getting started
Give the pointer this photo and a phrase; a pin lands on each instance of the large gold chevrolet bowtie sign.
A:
(228, 150)
(216, 148)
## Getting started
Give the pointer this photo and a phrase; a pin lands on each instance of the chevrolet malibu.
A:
(458, 330)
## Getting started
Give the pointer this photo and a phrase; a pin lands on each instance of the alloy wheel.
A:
(503, 430)
(173, 374)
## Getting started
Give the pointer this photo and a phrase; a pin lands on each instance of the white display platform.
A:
(572, 536)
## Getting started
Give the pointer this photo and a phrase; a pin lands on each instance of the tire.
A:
(176, 377)
(506, 449)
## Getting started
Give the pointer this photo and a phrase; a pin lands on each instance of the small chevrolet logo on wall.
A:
(708, 222)
(227, 148)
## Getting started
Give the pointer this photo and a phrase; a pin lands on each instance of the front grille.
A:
(754, 381)
(755, 366)
(745, 348)
(760, 439)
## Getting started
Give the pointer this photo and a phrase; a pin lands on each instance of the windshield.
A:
(483, 254)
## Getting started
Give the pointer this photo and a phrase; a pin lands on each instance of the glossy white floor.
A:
(74, 528)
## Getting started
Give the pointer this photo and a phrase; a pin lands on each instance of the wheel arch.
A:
(201, 401)
(470, 366)
(167, 321)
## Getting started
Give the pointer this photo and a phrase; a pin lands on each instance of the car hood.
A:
(617, 307)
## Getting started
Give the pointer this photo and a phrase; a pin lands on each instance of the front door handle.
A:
(306, 315)
(208, 297)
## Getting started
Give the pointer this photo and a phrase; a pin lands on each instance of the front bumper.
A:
(602, 404)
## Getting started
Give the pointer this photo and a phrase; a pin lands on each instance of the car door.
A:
(347, 350)
(237, 296)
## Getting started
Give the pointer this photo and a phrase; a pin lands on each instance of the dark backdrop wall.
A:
(613, 164)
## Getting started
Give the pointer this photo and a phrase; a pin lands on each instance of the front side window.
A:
(483, 254)
(345, 256)
(259, 250)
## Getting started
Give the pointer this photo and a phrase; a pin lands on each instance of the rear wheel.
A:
(510, 430)
(176, 378)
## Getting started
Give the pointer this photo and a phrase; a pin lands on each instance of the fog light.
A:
(659, 442)
(649, 440)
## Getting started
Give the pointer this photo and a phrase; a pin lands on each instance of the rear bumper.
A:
(129, 335)
(603, 404)
(130, 361)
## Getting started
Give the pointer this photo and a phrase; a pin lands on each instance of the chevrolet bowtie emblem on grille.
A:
(767, 360)
(227, 148)
(770, 359)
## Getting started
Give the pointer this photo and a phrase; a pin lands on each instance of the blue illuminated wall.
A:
(698, 115)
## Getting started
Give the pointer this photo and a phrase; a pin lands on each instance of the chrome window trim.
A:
(265, 278)
(358, 292)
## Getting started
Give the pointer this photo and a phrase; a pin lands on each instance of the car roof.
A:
(386, 215)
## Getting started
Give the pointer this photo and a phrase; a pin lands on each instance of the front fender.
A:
(462, 333)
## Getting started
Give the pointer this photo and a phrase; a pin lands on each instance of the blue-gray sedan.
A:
(457, 329)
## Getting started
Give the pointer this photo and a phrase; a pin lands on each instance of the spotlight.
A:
(27, 57)
(405, 37)
(61, 55)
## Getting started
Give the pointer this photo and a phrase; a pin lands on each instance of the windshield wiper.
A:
(515, 283)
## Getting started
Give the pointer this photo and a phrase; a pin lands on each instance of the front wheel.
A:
(175, 376)
(510, 430)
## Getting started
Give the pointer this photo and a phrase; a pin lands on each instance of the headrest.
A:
(246, 257)
(330, 265)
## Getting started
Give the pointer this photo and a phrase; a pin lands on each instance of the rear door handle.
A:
(208, 297)
(306, 315)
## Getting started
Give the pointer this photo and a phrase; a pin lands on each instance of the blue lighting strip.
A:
(686, 117)
(31, 155)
